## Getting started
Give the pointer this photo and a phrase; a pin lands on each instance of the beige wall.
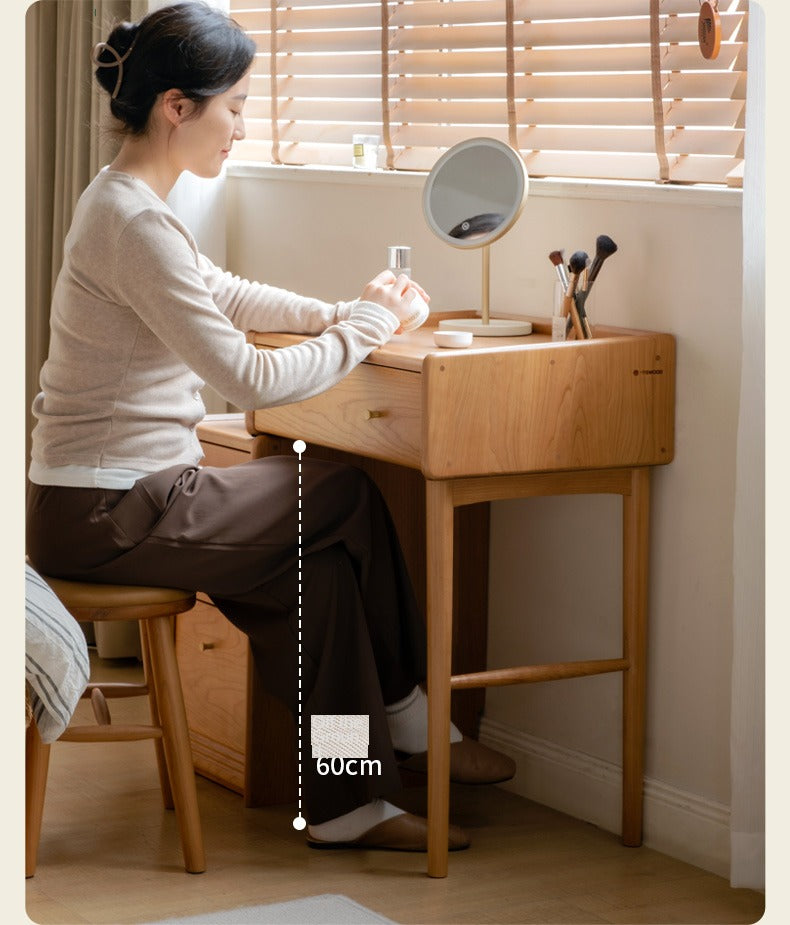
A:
(678, 269)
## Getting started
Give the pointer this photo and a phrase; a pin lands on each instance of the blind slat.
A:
(534, 9)
(535, 112)
(537, 86)
(627, 140)
(537, 61)
(247, 14)
(534, 35)
(434, 13)
(583, 97)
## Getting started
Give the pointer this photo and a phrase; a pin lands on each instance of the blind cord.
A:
(658, 102)
(510, 83)
(385, 84)
(273, 73)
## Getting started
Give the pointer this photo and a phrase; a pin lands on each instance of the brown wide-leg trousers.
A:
(232, 533)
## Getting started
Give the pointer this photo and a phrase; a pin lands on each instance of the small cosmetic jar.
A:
(366, 151)
(452, 338)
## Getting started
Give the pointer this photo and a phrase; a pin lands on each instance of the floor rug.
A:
(328, 909)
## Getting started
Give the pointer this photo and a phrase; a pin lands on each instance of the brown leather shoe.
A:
(404, 832)
(470, 763)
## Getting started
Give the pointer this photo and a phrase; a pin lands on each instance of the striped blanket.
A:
(56, 657)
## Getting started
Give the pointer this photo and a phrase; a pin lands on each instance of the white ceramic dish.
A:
(452, 338)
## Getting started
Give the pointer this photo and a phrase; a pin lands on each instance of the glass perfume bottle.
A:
(399, 261)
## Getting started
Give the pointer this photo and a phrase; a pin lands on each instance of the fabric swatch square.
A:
(337, 735)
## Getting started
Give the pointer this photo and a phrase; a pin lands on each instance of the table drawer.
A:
(374, 410)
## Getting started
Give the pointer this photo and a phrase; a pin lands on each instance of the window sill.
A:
(620, 190)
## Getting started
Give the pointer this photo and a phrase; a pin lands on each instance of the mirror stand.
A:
(473, 195)
(486, 326)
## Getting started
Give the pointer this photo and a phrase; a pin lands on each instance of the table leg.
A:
(439, 531)
(636, 511)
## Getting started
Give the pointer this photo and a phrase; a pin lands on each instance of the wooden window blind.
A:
(611, 89)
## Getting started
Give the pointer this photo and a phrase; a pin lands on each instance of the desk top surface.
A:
(408, 351)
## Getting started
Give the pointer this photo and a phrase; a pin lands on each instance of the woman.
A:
(140, 322)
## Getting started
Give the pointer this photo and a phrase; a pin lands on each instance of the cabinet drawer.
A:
(213, 662)
(373, 410)
(214, 455)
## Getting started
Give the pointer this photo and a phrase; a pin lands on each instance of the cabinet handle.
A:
(374, 414)
(205, 645)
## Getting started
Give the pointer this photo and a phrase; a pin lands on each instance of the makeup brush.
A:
(576, 265)
(556, 258)
(604, 247)
(579, 299)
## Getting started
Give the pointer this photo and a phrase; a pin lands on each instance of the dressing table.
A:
(510, 417)
(444, 432)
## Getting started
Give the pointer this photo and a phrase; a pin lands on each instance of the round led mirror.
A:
(473, 195)
(475, 192)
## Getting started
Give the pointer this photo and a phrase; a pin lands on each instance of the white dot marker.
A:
(299, 823)
(299, 446)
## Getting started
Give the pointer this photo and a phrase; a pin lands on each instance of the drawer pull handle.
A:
(374, 414)
(205, 645)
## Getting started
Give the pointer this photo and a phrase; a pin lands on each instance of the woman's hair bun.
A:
(123, 35)
(189, 46)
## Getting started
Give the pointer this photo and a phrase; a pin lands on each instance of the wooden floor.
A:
(110, 854)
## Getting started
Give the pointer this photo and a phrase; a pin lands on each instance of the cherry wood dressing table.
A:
(507, 418)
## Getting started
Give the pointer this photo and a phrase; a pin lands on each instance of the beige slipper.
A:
(470, 763)
(404, 832)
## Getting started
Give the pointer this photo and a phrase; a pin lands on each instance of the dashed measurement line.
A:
(299, 447)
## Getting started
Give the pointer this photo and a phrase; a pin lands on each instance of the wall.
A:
(678, 269)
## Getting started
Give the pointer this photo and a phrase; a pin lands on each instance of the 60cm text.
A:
(354, 766)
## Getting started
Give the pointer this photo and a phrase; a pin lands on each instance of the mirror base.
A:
(496, 327)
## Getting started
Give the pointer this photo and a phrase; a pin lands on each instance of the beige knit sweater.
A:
(141, 321)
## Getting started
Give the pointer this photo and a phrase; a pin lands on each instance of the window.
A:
(611, 89)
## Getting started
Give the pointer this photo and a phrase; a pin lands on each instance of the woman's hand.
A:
(394, 293)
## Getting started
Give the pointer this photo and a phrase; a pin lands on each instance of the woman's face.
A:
(205, 140)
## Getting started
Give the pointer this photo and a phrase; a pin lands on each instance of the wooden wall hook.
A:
(709, 29)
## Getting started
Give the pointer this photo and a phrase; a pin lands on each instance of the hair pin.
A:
(101, 47)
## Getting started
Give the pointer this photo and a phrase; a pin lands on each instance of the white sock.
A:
(357, 822)
(408, 723)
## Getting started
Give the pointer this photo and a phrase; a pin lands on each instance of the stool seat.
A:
(152, 608)
(91, 601)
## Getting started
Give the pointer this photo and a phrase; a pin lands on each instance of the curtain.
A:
(68, 138)
(747, 735)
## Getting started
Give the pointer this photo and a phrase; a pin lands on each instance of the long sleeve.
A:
(171, 298)
(253, 306)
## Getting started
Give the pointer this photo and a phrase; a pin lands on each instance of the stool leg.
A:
(36, 767)
(170, 701)
(636, 512)
(156, 719)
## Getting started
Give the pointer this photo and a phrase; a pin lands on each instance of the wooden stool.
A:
(153, 608)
